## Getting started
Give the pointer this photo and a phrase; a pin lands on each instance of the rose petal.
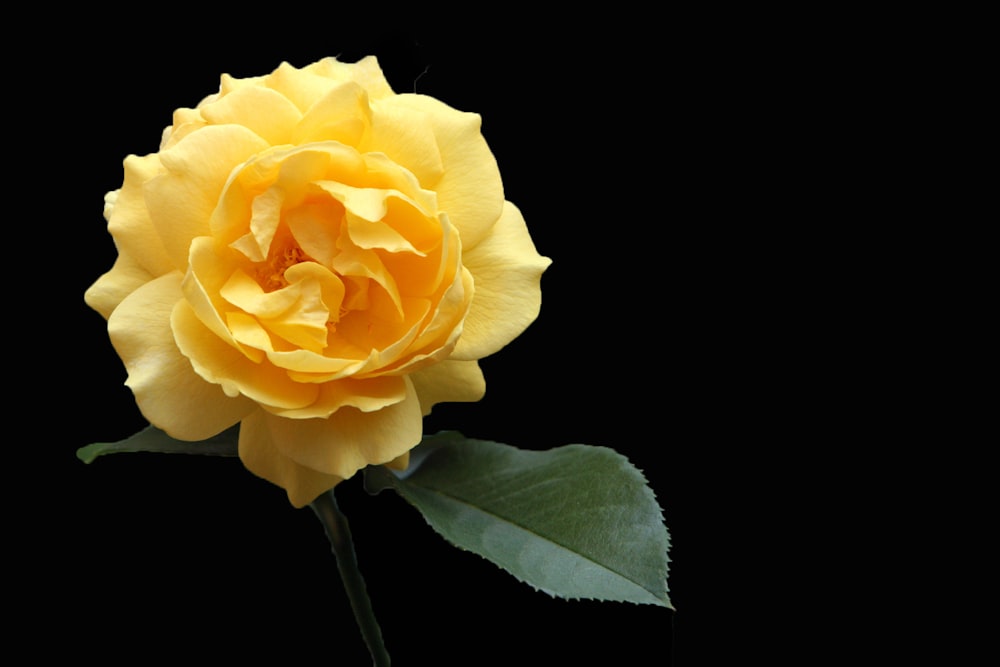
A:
(210, 269)
(246, 294)
(360, 263)
(507, 271)
(388, 333)
(315, 227)
(448, 381)
(399, 133)
(366, 72)
(267, 112)
(371, 234)
(107, 292)
(248, 332)
(181, 200)
(341, 114)
(367, 203)
(284, 176)
(228, 83)
(185, 121)
(306, 366)
(302, 365)
(305, 324)
(452, 308)
(366, 395)
(350, 439)
(220, 363)
(381, 173)
(304, 454)
(311, 300)
(261, 457)
(169, 393)
(265, 216)
(469, 189)
(129, 221)
(301, 86)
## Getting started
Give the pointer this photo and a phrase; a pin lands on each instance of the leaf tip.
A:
(88, 453)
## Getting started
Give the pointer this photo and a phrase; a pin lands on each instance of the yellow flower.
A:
(319, 259)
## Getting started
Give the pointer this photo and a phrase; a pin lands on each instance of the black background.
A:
(740, 301)
(605, 140)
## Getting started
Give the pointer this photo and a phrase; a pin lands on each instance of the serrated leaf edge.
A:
(660, 601)
(398, 483)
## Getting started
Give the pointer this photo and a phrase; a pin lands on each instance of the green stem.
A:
(339, 532)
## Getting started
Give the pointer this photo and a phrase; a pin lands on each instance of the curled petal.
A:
(507, 271)
(366, 395)
(169, 393)
(452, 308)
(360, 263)
(298, 312)
(265, 215)
(218, 362)
(301, 365)
(210, 269)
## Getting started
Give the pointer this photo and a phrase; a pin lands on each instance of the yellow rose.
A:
(319, 259)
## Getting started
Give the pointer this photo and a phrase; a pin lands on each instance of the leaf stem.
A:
(339, 533)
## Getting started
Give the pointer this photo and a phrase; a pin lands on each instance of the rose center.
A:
(271, 273)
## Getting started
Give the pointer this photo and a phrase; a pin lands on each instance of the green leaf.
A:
(152, 439)
(577, 521)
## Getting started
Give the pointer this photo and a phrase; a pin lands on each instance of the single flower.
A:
(319, 259)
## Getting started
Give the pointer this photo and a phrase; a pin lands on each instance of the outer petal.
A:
(181, 201)
(300, 86)
(129, 221)
(395, 133)
(339, 115)
(350, 439)
(507, 271)
(268, 113)
(309, 456)
(366, 72)
(261, 457)
(449, 382)
(469, 189)
(169, 393)
(109, 290)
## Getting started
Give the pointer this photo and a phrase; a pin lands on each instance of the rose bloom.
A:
(319, 259)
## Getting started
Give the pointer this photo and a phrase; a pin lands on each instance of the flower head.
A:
(318, 259)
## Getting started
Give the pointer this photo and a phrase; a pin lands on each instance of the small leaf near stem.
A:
(152, 439)
(339, 533)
